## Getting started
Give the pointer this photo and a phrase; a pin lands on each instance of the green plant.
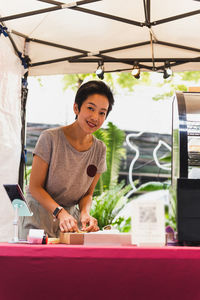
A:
(153, 186)
(27, 174)
(123, 224)
(109, 194)
(106, 206)
(113, 137)
(171, 213)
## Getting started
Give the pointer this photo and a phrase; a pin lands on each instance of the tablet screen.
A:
(14, 192)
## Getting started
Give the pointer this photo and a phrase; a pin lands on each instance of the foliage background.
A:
(177, 82)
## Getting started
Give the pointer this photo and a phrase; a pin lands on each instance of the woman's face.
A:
(92, 113)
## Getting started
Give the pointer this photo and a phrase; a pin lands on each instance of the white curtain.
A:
(10, 130)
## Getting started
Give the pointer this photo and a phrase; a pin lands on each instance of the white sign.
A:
(148, 222)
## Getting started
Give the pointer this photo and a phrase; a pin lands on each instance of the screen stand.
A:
(20, 209)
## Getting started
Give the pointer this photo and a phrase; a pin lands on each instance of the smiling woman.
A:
(92, 112)
(67, 164)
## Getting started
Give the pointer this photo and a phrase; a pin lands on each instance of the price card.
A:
(148, 222)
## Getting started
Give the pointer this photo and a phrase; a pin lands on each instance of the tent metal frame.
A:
(83, 56)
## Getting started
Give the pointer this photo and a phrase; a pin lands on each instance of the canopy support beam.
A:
(45, 10)
(174, 18)
(130, 59)
(49, 43)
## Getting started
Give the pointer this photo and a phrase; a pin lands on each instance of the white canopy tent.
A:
(43, 37)
(11, 72)
(72, 37)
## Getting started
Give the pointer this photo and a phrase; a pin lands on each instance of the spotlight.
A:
(100, 71)
(136, 71)
(165, 74)
(167, 71)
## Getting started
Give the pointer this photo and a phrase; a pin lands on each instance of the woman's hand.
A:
(67, 223)
(88, 222)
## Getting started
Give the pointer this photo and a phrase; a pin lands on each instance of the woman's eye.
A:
(102, 113)
(90, 108)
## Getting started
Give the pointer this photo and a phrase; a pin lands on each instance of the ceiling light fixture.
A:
(100, 70)
(167, 71)
(136, 71)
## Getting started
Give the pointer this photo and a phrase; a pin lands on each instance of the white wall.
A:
(10, 130)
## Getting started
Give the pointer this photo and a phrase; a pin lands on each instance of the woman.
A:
(67, 164)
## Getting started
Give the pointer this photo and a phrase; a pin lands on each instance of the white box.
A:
(107, 238)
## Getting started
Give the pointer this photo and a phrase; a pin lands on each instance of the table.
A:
(81, 272)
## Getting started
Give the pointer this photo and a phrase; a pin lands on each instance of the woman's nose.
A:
(95, 115)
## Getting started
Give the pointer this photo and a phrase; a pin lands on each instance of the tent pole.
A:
(141, 59)
(45, 10)
(178, 46)
(24, 94)
(49, 43)
(174, 18)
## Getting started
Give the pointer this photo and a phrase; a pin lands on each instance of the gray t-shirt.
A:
(70, 172)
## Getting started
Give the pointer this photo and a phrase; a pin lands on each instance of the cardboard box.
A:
(72, 238)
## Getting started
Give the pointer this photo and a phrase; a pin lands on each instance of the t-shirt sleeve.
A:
(43, 147)
(102, 167)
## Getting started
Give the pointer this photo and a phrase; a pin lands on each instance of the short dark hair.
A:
(94, 87)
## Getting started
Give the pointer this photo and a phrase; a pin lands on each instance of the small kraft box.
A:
(72, 238)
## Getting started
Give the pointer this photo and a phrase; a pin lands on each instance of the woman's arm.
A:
(85, 206)
(36, 187)
(37, 181)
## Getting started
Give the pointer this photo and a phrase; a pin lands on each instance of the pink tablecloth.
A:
(79, 272)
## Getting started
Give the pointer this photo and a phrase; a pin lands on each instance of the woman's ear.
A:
(76, 110)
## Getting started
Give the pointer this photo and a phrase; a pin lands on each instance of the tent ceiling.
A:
(72, 37)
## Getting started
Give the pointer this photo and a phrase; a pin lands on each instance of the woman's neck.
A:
(77, 138)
